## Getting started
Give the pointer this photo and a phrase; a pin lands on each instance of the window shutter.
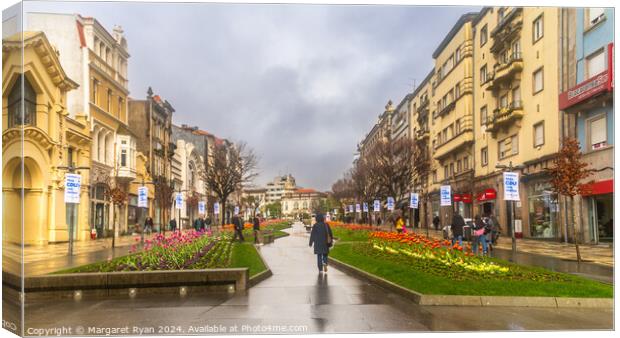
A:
(598, 131)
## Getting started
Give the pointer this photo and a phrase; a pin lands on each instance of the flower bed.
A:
(350, 232)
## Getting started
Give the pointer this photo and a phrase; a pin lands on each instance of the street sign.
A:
(216, 208)
(390, 203)
(358, 208)
(73, 183)
(202, 207)
(511, 186)
(365, 207)
(236, 211)
(143, 197)
(414, 200)
(376, 206)
(445, 193)
(179, 201)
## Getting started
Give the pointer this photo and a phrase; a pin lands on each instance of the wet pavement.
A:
(296, 299)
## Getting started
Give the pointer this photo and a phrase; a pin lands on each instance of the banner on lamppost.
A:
(511, 186)
(358, 208)
(179, 201)
(335, 211)
(445, 195)
(143, 197)
(73, 184)
(351, 208)
(365, 207)
(414, 201)
(376, 206)
(328, 217)
(202, 206)
(390, 203)
(236, 211)
(216, 208)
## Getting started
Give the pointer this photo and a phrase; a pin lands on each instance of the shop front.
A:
(543, 210)
(598, 199)
(463, 204)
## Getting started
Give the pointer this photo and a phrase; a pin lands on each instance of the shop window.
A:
(543, 210)
(595, 63)
(597, 130)
(17, 116)
(539, 134)
(483, 35)
(484, 156)
(537, 29)
(538, 81)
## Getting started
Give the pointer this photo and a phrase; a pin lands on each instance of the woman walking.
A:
(479, 236)
(322, 238)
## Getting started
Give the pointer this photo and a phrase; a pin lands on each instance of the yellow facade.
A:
(51, 139)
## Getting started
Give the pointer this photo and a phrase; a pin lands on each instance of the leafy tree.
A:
(567, 171)
(115, 194)
(275, 209)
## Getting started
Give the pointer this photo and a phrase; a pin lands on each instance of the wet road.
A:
(296, 299)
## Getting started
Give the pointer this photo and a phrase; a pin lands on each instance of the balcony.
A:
(126, 174)
(506, 29)
(504, 117)
(108, 70)
(422, 134)
(445, 110)
(506, 71)
(423, 106)
(460, 141)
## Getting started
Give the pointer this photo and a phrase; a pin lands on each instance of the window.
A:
(109, 103)
(508, 146)
(483, 74)
(598, 132)
(95, 94)
(483, 115)
(483, 35)
(457, 55)
(466, 163)
(484, 156)
(434, 176)
(17, 116)
(537, 29)
(500, 14)
(451, 168)
(516, 97)
(123, 157)
(457, 126)
(595, 63)
(503, 101)
(457, 91)
(594, 16)
(459, 166)
(120, 105)
(516, 49)
(445, 172)
(538, 81)
(539, 134)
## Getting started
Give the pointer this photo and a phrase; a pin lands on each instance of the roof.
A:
(483, 11)
(305, 191)
(457, 26)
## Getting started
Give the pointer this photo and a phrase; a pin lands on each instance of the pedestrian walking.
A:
(480, 236)
(207, 223)
(436, 222)
(457, 229)
(148, 225)
(378, 221)
(238, 225)
(197, 224)
(256, 222)
(400, 223)
(173, 224)
(493, 230)
(322, 238)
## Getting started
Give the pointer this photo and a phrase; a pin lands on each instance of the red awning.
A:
(487, 194)
(597, 188)
(457, 197)
(466, 198)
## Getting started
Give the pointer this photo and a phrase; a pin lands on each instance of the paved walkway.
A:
(296, 299)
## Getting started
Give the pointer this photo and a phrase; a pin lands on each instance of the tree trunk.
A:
(114, 227)
(223, 211)
(575, 229)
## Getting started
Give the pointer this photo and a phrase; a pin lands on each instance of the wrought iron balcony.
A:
(504, 117)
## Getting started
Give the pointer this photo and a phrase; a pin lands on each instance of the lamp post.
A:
(510, 168)
(143, 183)
(72, 169)
(179, 191)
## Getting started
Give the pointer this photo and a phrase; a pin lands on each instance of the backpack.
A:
(330, 240)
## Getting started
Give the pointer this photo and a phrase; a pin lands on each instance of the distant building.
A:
(301, 201)
(279, 187)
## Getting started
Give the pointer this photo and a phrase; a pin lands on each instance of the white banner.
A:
(377, 206)
(365, 207)
(445, 195)
(236, 211)
(73, 183)
(358, 208)
(328, 218)
(350, 208)
(414, 201)
(390, 203)
(335, 211)
(216, 208)
(179, 200)
(202, 207)
(143, 197)
(511, 186)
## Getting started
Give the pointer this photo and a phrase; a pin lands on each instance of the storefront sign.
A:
(597, 188)
(488, 194)
(511, 186)
(444, 195)
(358, 208)
(413, 201)
(202, 206)
(457, 197)
(178, 201)
(597, 84)
(216, 208)
(365, 206)
(73, 184)
(236, 211)
(376, 206)
(467, 198)
(143, 197)
(390, 203)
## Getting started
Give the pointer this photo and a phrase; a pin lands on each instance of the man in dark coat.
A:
(173, 224)
(457, 229)
(436, 222)
(256, 222)
(322, 238)
(238, 228)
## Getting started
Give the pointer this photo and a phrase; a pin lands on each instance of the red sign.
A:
(597, 84)
(488, 194)
(457, 197)
(597, 188)
(466, 198)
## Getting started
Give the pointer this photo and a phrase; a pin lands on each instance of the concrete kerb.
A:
(458, 300)
(254, 280)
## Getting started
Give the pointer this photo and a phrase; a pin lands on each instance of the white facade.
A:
(278, 188)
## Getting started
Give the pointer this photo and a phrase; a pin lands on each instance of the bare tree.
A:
(365, 188)
(390, 166)
(231, 166)
(117, 196)
(164, 198)
(422, 170)
(567, 171)
(343, 191)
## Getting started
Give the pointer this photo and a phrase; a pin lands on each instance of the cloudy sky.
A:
(301, 84)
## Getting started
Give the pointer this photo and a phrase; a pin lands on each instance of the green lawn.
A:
(415, 278)
(245, 255)
(346, 235)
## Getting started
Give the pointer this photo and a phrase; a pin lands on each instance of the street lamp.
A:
(71, 169)
(510, 168)
(142, 183)
(179, 191)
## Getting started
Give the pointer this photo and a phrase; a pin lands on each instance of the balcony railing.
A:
(505, 116)
(423, 105)
(461, 139)
(445, 110)
(506, 70)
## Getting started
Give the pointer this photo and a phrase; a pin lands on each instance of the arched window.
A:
(191, 177)
(17, 116)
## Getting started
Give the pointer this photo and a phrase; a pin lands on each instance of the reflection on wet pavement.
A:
(300, 300)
